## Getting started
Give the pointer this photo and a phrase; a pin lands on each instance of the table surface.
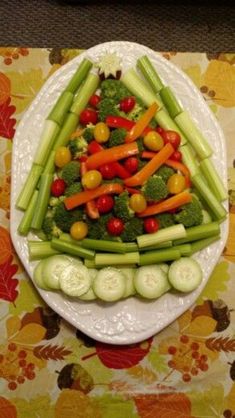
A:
(49, 369)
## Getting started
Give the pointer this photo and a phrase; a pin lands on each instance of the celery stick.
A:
(150, 74)
(184, 249)
(103, 245)
(69, 126)
(29, 187)
(159, 256)
(203, 243)
(40, 249)
(194, 136)
(42, 200)
(87, 89)
(213, 179)
(139, 88)
(170, 102)
(198, 232)
(131, 247)
(47, 139)
(171, 233)
(61, 108)
(79, 75)
(165, 121)
(104, 259)
(165, 244)
(50, 166)
(25, 223)
(216, 207)
(72, 249)
(188, 158)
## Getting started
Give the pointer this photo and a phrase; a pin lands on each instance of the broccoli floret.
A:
(114, 180)
(71, 172)
(165, 220)
(97, 229)
(54, 201)
(117, 137)
(121, 208)
(77, 146)
(88, 134)
(153, 124)
(165, 172)
(107, 107)
(190, 214)
(50, 229)
(113, 89)
(133, 228)
(140, 145)
(64, 219)
(155, 189)
(136, 112)
(73, 189)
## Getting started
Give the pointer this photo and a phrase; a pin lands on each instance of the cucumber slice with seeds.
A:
(129, 274)
(185, 274)
(75, 279)
(109, 284)
(38, 276)
(151, 281)
(90, 295)
(53, 268)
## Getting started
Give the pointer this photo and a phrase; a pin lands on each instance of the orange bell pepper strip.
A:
(173, 202)
(148, 155)
(142, 123)
(91, 208)
(111, 154)
(81, 198)
(141, 176)
(182, 168)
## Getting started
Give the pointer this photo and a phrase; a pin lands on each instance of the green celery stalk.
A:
(189, 159)
(184, 249)
(131, 247)
(199, 232)
(25, 223)
(29, 187)
(79, 75)
(72, 249)
(171, 233)
(159, 256)
(150, 74)
(164, 120)
(103, 245)
(50, 131)
(69, 126)
(40, 249)
(50, 165)
(203, 243)
(104, 259)
(213, 179)
(42, 200)
(172, 105)
(165, 244)
(61, 107)
(87, 89)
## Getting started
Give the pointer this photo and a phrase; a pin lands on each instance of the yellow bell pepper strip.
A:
(142, 123)
(111, 154)
(173, 202)
(153, 165)
(81, 198)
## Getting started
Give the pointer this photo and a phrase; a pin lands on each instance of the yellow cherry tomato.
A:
(101, 132)
(176, 183)
(62, 156)
(137, 202)
(91, 179)
(79, 230)
(153, 141)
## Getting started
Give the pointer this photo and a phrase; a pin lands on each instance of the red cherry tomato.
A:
(88, 116)
(131, 164)
(176, 156)
(151, 225)
(115, 226)
(94, 100)
(108, 171)
(127, 104)
(58, 187)
(94, 147)
(160, 130)
(105, 203)
(172, 137)
(83, 159)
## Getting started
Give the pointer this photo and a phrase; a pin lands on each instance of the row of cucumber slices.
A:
(61, 272)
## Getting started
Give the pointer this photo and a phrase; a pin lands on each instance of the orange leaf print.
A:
(5, 88)
(170, 405)
(220, 78)
(30, 334)
(5, 245)
(13, 325)
(202, 326)
(7, 409)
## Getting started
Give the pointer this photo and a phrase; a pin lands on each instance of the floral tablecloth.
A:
(49, 369)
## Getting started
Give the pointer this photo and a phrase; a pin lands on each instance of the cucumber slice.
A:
(129, 285)
(109, 284)
(164, 267)
(53, 268)
(90, 295)
(185, 274)
(75, 279)
(151, 281)
(39, 277)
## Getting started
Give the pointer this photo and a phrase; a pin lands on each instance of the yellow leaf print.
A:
(73, 403)
(201, 326)
(216, 283)
(30, 334)
(13, 325)
(230, 400)
(220, 78)
(195, 74)
(184, 321)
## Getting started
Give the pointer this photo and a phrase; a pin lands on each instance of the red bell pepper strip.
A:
(120, 122)
(121, 171)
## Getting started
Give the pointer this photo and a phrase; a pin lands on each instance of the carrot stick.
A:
(139, 178)
(111, 154)
(148, 155)
(84, 197)
(168, 204)
(142, 123)
(91, 208)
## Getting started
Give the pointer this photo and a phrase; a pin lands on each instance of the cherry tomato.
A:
(88, 116)
(91, 179)
(83, 159)
(176, 156)
(94, 100)
(127, 104)
(108, 171)
(94, 147)
(58, 187)
(62, 156)
(131, 164)
(101, 132)
(137, 202)
(115, 226)
(172, 137)
(153, 141)
(105, 203)
(160, 130)
(176, 183)
(151, 225)
(79, 230)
